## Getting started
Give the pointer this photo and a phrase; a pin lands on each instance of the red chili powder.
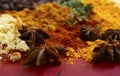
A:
(67, 36)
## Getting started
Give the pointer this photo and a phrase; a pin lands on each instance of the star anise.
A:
(33, 36)
(89, 34)
(109, 50)
(115, 34)
(45, 55)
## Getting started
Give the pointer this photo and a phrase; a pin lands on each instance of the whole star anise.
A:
(89, 34)
(45, 55)
(114, 33)
(33, 36)
(109, 50)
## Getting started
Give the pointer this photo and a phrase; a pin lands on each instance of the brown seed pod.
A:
(114, 33)
(33, 36)
(88, 34)
(109, 50)
(44, 55)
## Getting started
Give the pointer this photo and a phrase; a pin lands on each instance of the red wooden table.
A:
(79, 68)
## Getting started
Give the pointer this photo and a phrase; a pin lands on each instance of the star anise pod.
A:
(109, 50)
(89, 34)
(33, 36)
(114, 33)
(45, 55)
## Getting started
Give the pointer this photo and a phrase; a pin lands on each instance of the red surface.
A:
(80, 68)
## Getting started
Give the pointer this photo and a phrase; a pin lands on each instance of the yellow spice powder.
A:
(84, 53)
(106, 14)
(45, 16)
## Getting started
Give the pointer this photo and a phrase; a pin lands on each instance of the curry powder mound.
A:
(106, 14)
(46, 16)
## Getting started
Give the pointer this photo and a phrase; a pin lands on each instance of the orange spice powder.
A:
(66, 36)
(46, 16)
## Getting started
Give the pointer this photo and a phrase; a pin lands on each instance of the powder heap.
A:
(106, 14)
(45, 16)
(85, 53)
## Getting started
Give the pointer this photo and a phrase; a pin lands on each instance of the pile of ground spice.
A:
(69, 37)
(106, 14)
(66, 36)
(45, 16)
(85, 53)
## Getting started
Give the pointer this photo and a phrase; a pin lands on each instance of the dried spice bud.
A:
(115, 34)
(44, 55)
(61, 50)
(33, 36)
(89, 34)
(109, 50)
(52, 55)
(32, 58)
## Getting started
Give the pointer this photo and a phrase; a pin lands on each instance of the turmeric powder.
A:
(104, 14)
(45, 16)
(85, 53)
